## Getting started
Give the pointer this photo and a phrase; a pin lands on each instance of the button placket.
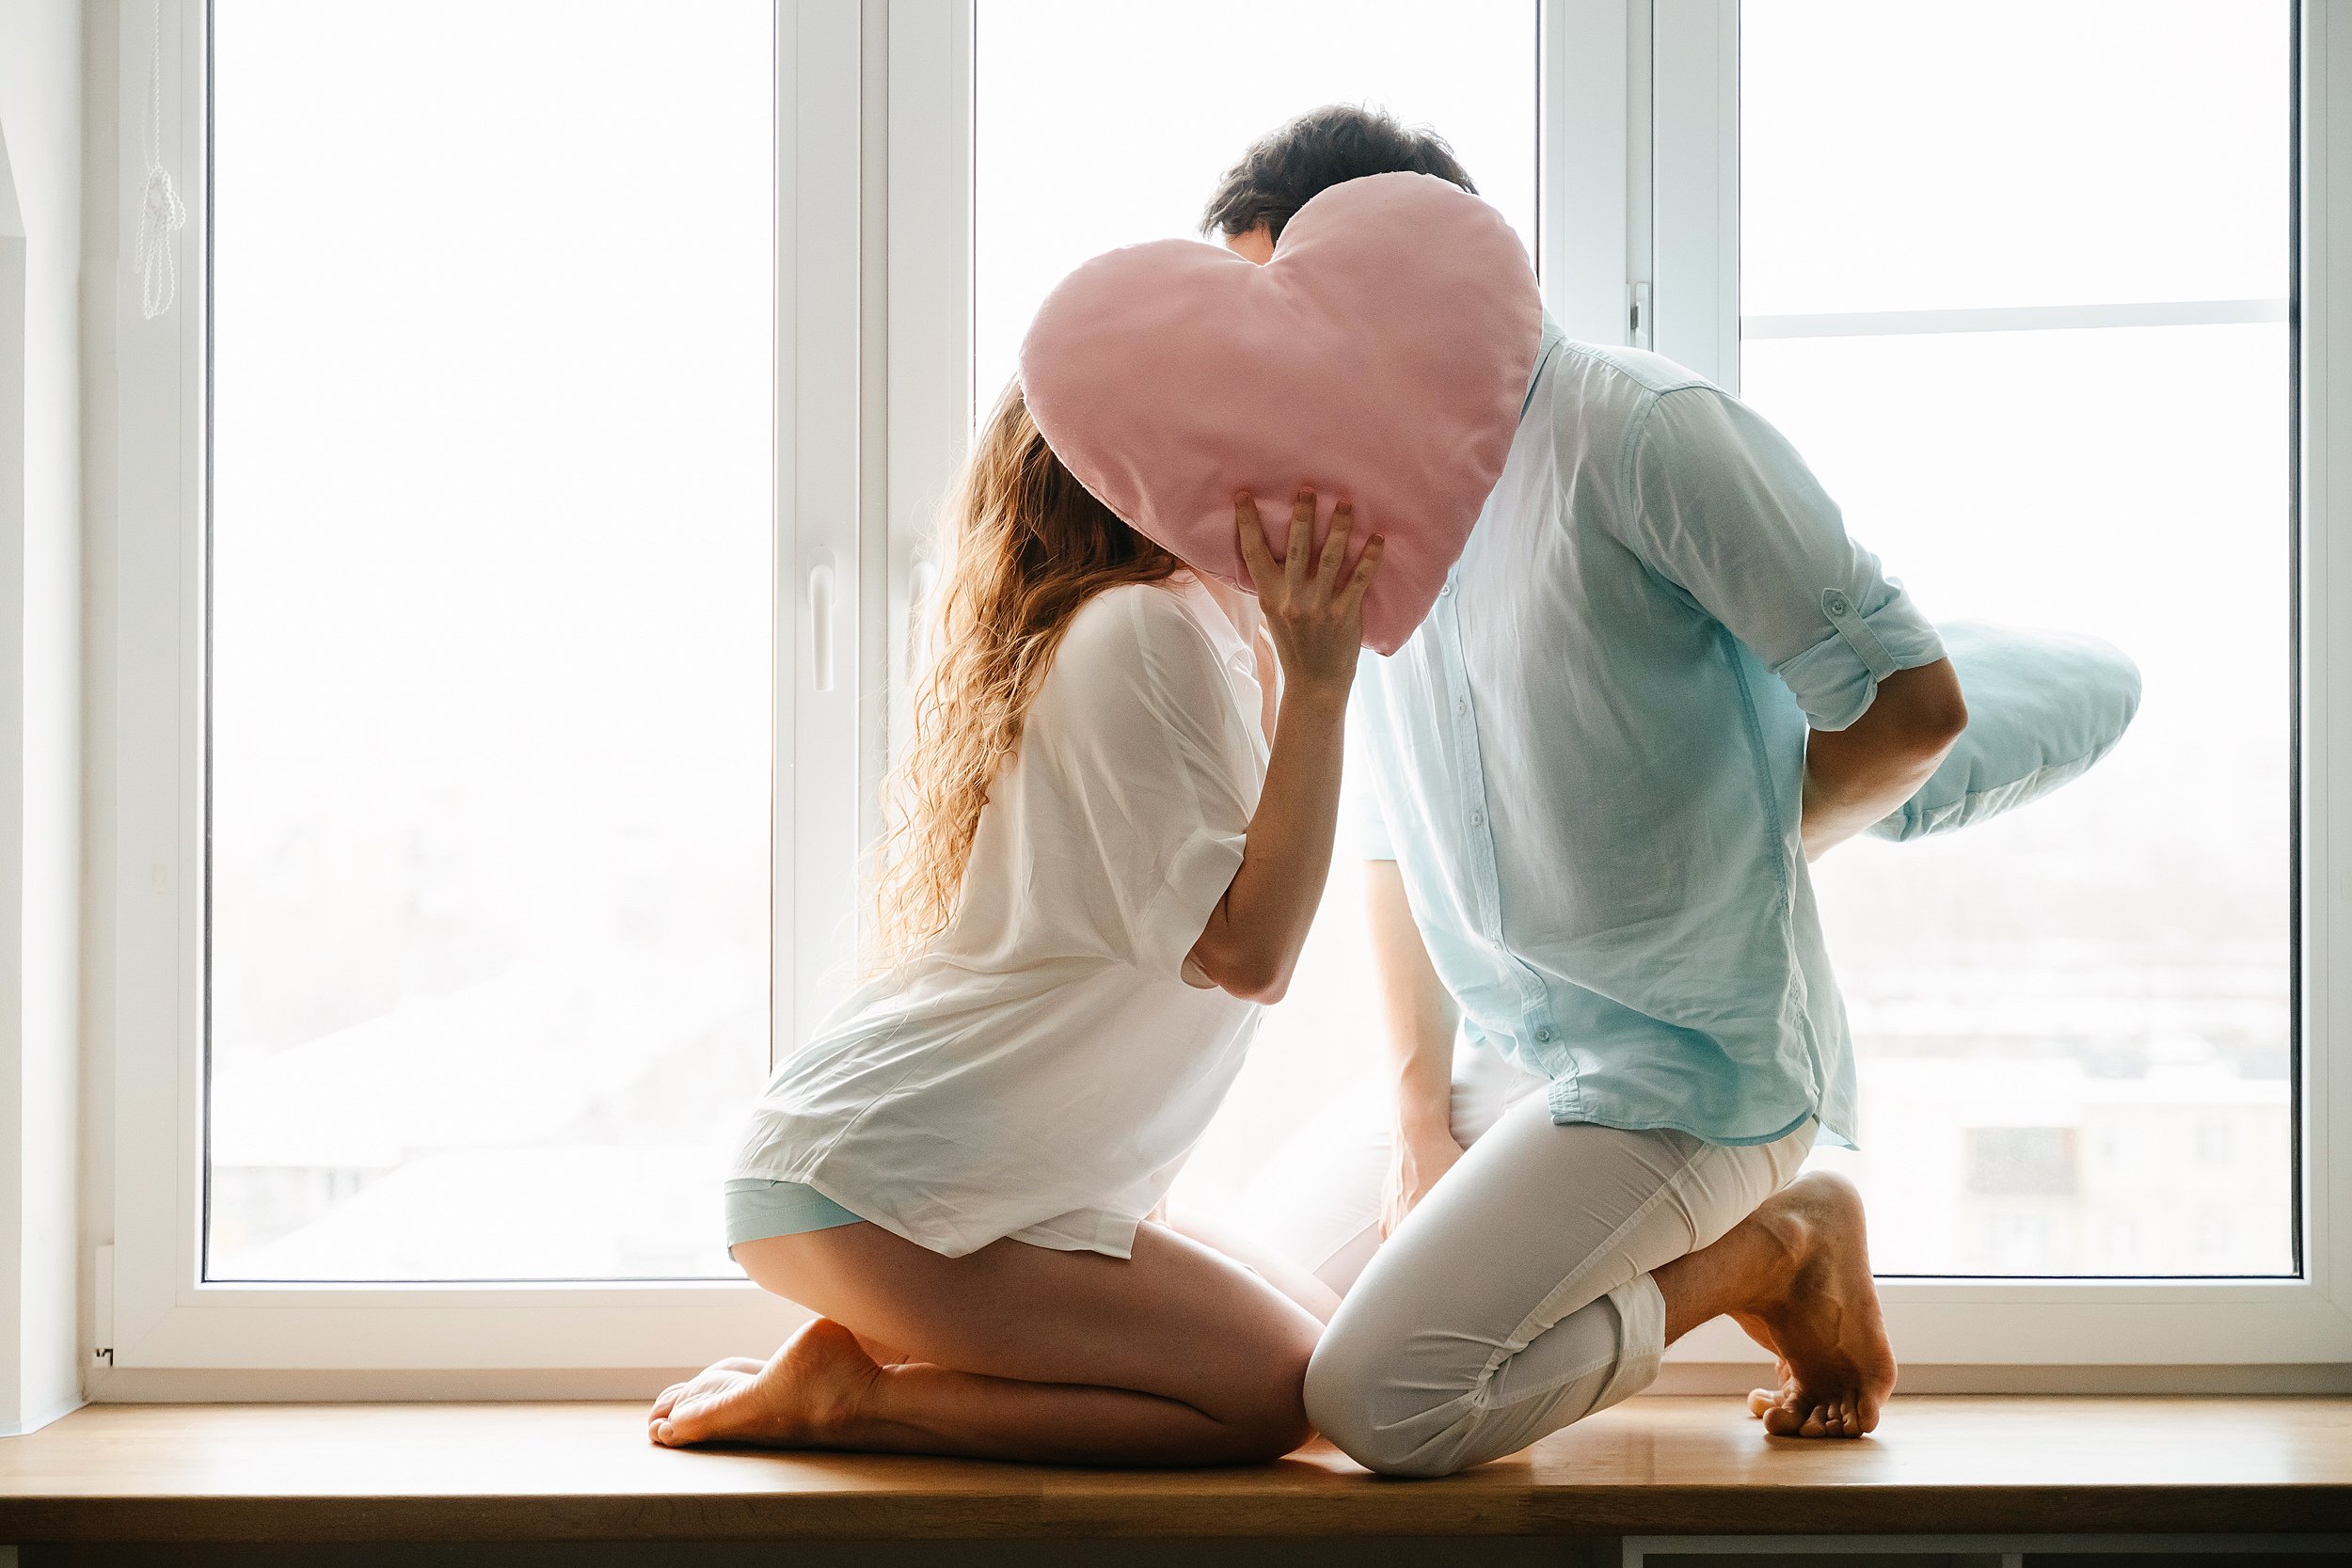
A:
(1485, 875)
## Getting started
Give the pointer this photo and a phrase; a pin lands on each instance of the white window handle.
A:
(922, 581)
(821, 624)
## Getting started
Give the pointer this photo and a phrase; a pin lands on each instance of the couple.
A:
(1591, 800)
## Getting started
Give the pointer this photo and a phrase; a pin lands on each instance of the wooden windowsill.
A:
(1658, 1466)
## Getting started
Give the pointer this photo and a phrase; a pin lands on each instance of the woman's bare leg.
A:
(1310, 1292)
(1177, 1355)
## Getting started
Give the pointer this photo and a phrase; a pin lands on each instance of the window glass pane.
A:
(2073, 1021)
(2009, 152)
(490, 633)
(1073, 156)
(1100, 125)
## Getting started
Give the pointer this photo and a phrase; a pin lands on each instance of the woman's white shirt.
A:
(1042, 1070)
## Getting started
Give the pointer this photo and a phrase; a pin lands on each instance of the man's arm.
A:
(1720, 504)
(1857, 775)
(1417, 1020)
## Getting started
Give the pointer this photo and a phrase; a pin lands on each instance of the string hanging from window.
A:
(156, 250)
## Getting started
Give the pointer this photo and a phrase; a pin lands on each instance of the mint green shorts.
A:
(758, 1209)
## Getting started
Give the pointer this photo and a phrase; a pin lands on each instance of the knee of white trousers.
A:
(1362, 1398)
(1355, 1396)
(1338, 1395)
(1352, 1398)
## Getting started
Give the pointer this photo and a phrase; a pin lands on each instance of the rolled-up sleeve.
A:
(1715, 501)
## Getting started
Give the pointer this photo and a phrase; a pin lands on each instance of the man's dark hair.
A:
(1286, 169)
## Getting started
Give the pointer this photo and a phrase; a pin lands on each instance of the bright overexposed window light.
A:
(2074, 1024)
(1100, 125)
(490, 610)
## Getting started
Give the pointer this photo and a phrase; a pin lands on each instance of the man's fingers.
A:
(1298, 546)
(1251, 537)
(1335, 546)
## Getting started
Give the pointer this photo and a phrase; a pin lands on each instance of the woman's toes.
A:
(666, 1428)
(1761, 1399)
(707, 1413)
(661, 1407)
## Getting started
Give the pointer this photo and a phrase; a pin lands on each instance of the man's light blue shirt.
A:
(1588, 763)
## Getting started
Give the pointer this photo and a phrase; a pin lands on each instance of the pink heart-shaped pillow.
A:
(1382, 356)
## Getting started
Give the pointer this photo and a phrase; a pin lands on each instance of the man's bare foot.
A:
(802, 1396)
(1823, 1324)
(1761, 1399)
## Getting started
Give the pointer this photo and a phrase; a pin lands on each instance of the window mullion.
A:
(2324, 511)
(821, 611)
(1584, 164)
(929, 322)
(1695, 185)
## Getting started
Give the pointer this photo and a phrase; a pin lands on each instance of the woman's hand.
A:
(1313, 615)
(1315, 619)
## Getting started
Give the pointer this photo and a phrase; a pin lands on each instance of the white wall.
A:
(41, 542)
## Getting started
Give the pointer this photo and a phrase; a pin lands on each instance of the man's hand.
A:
(1418, 1160)
(1857, 775)
(1418, 1016)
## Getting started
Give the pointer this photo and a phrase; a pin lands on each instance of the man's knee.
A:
(1355, 1400)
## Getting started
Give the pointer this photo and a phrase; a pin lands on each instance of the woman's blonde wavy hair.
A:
(1026, 547)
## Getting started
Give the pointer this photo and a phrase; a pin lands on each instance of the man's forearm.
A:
(1857, 775)
(1413, 1002)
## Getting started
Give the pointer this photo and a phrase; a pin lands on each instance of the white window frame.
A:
(157, 1329)
(1637, 244)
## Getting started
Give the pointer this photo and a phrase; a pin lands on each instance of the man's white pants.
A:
(1517, 1298)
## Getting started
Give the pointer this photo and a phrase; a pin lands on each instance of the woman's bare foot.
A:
(1822, 1324)
(803, 1397)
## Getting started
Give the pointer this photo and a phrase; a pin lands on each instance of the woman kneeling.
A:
(1104, 864)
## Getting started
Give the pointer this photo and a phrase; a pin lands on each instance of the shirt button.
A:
(1478, 819)
(1445, 590)
(1835, 603)
(1461, 704)
(1543, 1034)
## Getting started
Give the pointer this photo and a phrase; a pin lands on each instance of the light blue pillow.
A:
(2043, 707)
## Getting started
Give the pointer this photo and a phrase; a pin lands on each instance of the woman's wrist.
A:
(1316, 693)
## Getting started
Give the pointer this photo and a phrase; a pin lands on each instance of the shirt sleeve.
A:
(1717, 502)
(1160, 774)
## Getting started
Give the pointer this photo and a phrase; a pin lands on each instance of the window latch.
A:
(820, 624)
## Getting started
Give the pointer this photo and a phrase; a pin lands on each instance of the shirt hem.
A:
(1562, 1118)
(1113, 1238)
